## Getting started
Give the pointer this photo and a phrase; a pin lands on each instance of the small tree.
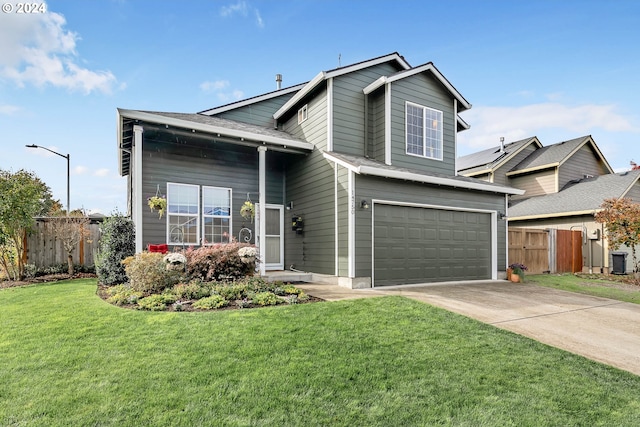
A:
(22, 197)
(621, 218)
(70, 230)
(117, 242)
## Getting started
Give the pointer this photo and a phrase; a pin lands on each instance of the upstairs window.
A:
(424, 131)
(302, 114)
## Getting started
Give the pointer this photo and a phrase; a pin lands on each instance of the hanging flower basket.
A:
(158, 203)
(248, 210)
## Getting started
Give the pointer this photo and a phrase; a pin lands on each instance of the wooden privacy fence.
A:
(555, 251)
(530, 247)
(43, 249)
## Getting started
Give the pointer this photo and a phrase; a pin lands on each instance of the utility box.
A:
(618, 262)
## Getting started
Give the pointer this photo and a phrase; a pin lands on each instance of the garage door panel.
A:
(421, 245)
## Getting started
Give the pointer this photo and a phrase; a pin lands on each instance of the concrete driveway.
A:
(601, 329)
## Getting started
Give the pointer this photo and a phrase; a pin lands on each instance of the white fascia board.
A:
(203, 127)
(334, 73)
(119, 141)
(375, 85)
(249, 101)
(409, 176)
(553, 215)
(537, 168)
(462, 123)
(301, 94)
(340, 162)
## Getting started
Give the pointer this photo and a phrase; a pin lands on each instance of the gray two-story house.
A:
(352, 175)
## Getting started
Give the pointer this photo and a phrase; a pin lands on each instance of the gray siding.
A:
(377, 125)
(500, 177)
(343, 221)
(369, 188)
(425, 91)
(226, 166)
(348, 108)
(310, 186)
(582, 162)
(314, 129)
(634, 193)
(260, 113)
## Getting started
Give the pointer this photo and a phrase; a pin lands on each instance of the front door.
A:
(274, 238)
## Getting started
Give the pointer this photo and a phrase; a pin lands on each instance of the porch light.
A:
(364, 204)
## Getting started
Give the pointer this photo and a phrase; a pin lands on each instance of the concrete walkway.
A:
(600, 329)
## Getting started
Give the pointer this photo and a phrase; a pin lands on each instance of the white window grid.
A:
(424, 131)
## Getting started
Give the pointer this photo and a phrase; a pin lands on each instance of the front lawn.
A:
(621, 288)
(69, 358)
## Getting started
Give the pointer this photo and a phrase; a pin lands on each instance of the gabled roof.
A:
(489, 160)
(253, 100)
(324, 75)
(463, 103)
(365, 166)
(555, 155)
(582, 197)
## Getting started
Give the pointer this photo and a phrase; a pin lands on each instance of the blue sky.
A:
(553, 69)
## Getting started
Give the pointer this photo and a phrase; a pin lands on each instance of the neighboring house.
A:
(361, 159)
(574, 208)
(564, 184)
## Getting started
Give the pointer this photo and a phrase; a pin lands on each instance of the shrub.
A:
(153, 302)
(217, 262)
(209, 303)
(147, 273)
(30, 271)
(230, 291)
(123, 295)
(191, 290)
(63, 268)
(266, 298)
(117, 242)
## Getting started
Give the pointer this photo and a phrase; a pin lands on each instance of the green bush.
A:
(117, 242)
(123, 295)
(63, 268)
(230, 291)
(191, 290)
(218, 262)
(266, 298)
(209, 303)
(153, 302)
(147, 273)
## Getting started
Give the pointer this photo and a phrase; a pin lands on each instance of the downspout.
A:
(137, 185)
(261, 212)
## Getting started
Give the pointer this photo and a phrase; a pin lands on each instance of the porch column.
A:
(262, 200)
(137, 185)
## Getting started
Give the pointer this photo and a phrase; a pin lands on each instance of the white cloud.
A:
(80, 170)
(101, 172)
(230, 97)
(488, 124)
(8, 110)
(39, 50)
(241, 8)
(214, 86)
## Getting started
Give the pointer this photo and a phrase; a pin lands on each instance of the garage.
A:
(421, 245)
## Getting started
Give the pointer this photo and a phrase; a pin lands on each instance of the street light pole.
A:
(68, 157)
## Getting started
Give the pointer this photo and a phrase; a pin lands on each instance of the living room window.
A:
(198, 215)
(216, 215)
(423, 131)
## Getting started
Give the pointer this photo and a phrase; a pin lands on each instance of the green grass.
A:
(595, 287)
(68, 358)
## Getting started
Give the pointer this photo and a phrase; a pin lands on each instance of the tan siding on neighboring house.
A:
(535, 184)
(499, 175)
(634, 193)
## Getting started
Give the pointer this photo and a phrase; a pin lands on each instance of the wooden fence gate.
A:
(530, 247)
(568, 251)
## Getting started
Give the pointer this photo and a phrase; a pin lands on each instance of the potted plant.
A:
(517, 272)
(158, 203)
(248, 210)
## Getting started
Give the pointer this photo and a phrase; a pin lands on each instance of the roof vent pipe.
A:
(502, 144)
(278, 81)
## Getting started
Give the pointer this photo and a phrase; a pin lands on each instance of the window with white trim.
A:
(183, 206)
(302, 114)
(198, 215)
(423, 131)
(216, 215)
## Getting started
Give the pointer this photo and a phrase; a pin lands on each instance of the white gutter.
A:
(213, 129)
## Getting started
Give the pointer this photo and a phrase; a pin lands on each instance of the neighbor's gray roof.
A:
(550, 155)
(584, 196)
(489, 158)
(368, 166)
